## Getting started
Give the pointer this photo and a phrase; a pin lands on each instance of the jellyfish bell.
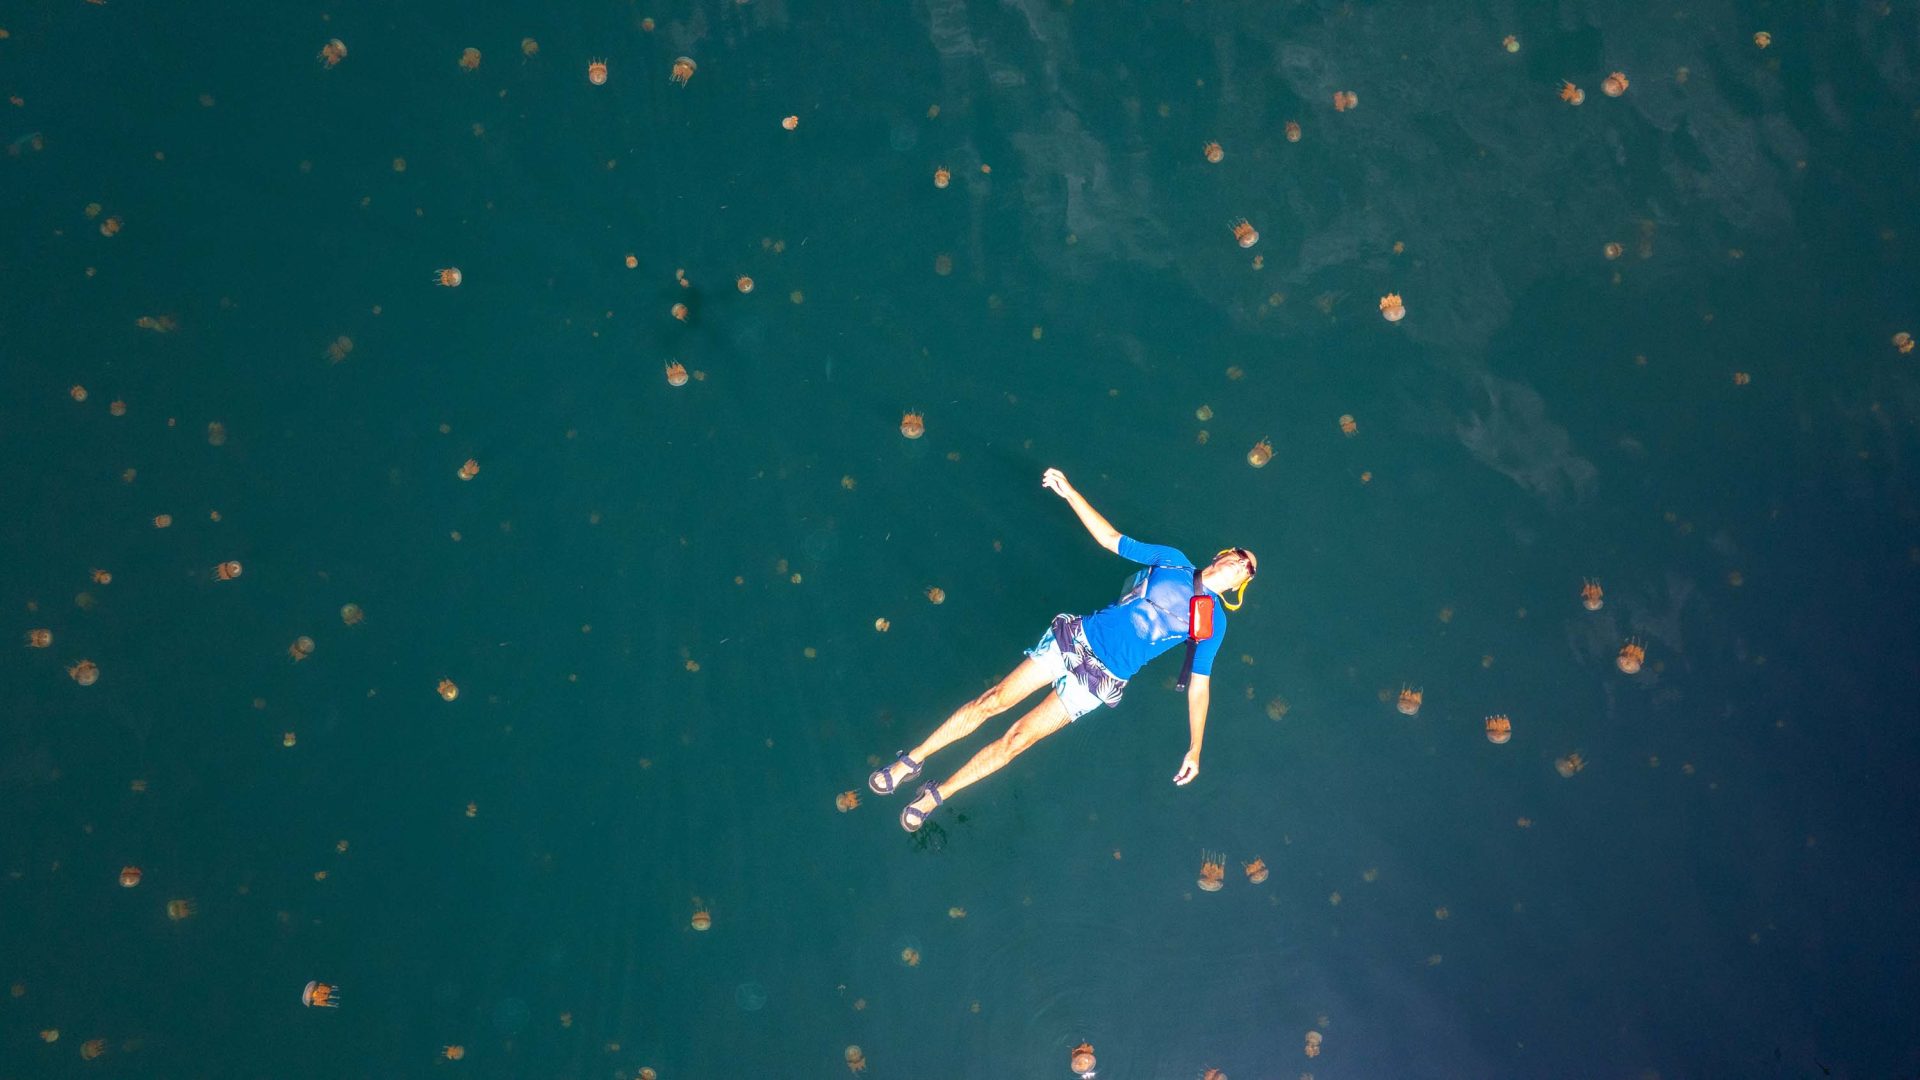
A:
(913, 425)
(1614, 85)
(129, 876)
(448, 689)
(597, 72)
(942, 176)
(1213, 153)
(1293, 131)
(702, 920)
(1244, 232)
(1082, 1062)
(86, 673)
(351, 614)
(469, 59)
(1499, 729)
(333, 52)
(676, 373)
(846, 801)
(39, 638)
(1261, 453)
(1392, 308)
(1409, 703)
(856, 1059)
(1632, 656)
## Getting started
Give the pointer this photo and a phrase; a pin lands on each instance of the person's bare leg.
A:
(1040, 721)
(1031, 675)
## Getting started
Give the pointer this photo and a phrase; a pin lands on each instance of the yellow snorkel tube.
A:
(1239, 594)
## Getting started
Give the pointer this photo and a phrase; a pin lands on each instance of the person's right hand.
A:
(1056, 481)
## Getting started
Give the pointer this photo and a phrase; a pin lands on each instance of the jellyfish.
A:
(449, 276)
(1569, 765)
(882, 624)
(856, 1060)
(288, 739)
(448, 690)
(1293, 131)
(1741, 378)
(162, 521)
(351, 614)
(469, 59)
(597, 72)
(1344, 100)
(913, 425)
(529, 48)
(1612, 250)
(181, 910)
(846, 801)
(679, 311)
(743, 283)
(1762, 39)
(1591, 594)
(129, 876)
(1510, 43)
(1903, 341)
(319, 995)
(39, 638)
(910, 956)
(1213, 153)
(1313, 1044)
(683, 69)
(1203, 414)
(1213, 871)
(942, 176)
(1409, 703)
(702, 918)
(333, 52)
(301, 648)
(1261, 453)
(1256, 870)
(1391, 308)
(1244, 232)
(1614, 85)
(1572, 94)
(1213, 1074)
(936, 595)
(116, 407)
(85, 672)
(1348, 427)
(92, 1048)
(1499, 729)
(676, 373)
(454, 1052)
(111, 226)
(1082, 1061)
(789, 122)
(1632, 655)
(468, 469)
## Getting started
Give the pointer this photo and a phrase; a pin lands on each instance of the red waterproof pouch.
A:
(1200, 618)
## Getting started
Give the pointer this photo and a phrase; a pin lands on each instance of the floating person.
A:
(1088, 659)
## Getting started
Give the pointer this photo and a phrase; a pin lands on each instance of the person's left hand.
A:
(1189, 768)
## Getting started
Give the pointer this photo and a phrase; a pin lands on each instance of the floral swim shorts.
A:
(1082, 681)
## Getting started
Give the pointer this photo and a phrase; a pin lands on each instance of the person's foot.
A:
(914, 814)
(888, 778)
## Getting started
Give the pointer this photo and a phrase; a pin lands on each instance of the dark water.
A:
(1726, 890)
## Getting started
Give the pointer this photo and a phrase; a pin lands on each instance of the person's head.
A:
(1230, 571)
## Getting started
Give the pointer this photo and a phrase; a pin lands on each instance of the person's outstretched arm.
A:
(1103, 532)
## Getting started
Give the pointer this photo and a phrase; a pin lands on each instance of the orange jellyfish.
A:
(161, 521)
(936, 595)
(454, 1052)
(1499, 729)
(469, 59)
(1256, 870)
(1213, 1074)
(1409, 703)
(1903, 341)
(942, 176)
(789, 122)
(450, 277)
(1244, 232)
(910, 956)
(856, 1059)
(597, 72)
(1313, 1044)
(180, 910)
(1391, 308)
(1612, 250)
(86, 673)
(110, 227)
(351, 614)
(683, 69)
(92, 1048)
(1632, 655)
(1344, 100)
(676, 373)
(1572, 94)
(117, 407)
(288, 739)
(1591, 595)
(468, 469)
(448, 690)
(1213, 152)
(1614, 85)
(228, 570)
(882, 624)
(1213, 871)
(846, 801)
(1348, 426)
(1569, 765)
(301, 648)
(333, 52)
(1741, 378)
(1261, 453)
(1762, 39)
(39, 638)
(679, 311)
(743, 283)
(1082, 1061)
(529, 48)
(913, 425)
(78, 393)
(1293, 131)
(1510, 43)
(129, 876)
(319, 995)
(702, 918)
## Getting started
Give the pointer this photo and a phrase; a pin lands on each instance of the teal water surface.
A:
(659, 603)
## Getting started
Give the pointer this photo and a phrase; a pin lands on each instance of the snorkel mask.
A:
(1239, 594)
